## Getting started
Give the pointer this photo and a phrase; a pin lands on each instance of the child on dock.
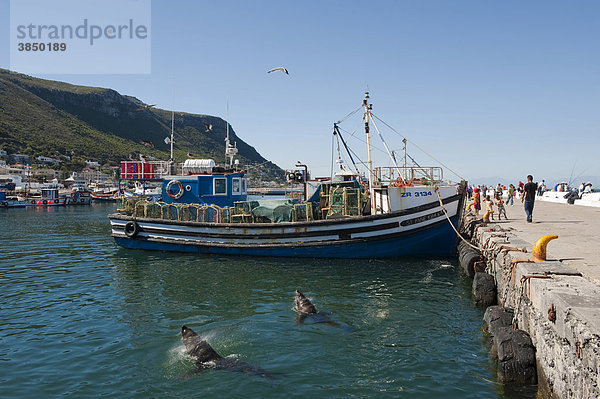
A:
(477, 202)
(501, 209)
(489, 209)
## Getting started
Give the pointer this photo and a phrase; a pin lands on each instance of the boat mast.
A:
(367, 117)
(404, 174)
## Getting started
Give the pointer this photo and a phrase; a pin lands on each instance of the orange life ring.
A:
(179, 192)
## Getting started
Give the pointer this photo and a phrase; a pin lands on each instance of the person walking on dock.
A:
(511, 195)
(528, 197)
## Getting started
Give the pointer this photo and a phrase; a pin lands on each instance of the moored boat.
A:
(52, 197)
(8, 199)
(401, 211)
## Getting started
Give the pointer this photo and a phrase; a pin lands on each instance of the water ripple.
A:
(80, 317)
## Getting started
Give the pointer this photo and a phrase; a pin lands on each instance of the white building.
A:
(47, 160)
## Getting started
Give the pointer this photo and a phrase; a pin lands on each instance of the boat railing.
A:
(156, 170)
(425, 175)
(142, 170)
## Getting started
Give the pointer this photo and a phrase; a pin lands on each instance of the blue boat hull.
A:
(437, 240)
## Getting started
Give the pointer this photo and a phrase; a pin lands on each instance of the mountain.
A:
(50, 118)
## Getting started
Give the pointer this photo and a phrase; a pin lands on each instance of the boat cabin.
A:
(221, 189)
(196, 181)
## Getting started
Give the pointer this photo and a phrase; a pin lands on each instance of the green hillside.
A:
(49, 118)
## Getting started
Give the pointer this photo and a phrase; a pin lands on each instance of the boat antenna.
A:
(230, 150)
(172, 120)
(368, 107)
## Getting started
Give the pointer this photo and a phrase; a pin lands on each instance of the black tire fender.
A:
(131, 229)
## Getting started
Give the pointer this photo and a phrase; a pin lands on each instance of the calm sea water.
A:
(80, 317)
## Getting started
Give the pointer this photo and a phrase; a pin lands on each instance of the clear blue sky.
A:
(490, 88)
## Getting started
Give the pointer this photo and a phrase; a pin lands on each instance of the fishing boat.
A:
(50, 197)
(8, 199)
(394, 211)
(101, 194)
(102, 197)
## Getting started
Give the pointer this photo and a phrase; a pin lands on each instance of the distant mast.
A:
(230, 150)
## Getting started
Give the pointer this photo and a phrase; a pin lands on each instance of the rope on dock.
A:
(482, 250)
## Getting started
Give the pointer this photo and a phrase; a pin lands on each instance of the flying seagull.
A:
(145, 106)
(208, 127)
(282, 69)
(147, 143)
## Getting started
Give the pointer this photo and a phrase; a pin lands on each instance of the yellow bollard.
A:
(539, 248)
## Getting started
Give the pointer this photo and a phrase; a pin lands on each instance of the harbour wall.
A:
(553, 302)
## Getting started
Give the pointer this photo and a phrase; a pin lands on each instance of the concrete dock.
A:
(577, 227)
(556, 302)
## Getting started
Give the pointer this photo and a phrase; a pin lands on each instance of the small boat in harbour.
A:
(51, 197)
(8, 199)
(396, 211)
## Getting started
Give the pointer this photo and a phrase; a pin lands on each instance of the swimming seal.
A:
(303, 304)
(197, 347)
(306, 310)
(207, 358)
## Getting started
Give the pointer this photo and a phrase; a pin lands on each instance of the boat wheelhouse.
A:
(195, 181)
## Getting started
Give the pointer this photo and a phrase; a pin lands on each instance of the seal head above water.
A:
(197, 347)
(304, 305)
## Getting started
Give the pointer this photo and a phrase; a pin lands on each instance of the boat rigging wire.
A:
(336, 130)
(422, 150)
(384, 143)
(352, 136)
(256, 166)
(360, 161)
(437, 191)
(349, 115)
